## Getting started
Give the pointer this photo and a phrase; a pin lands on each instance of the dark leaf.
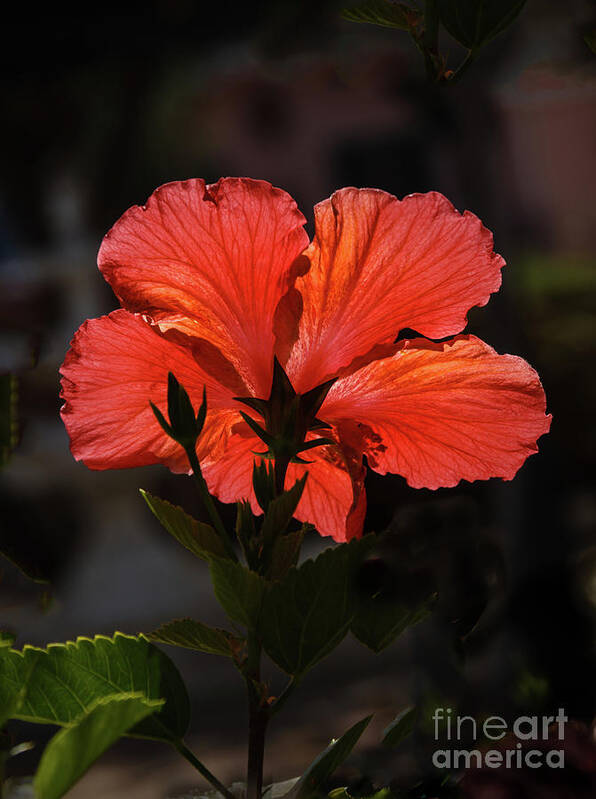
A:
(401, 726)
(474, 22)
(326, 763)
(380, 12)
(308, 613)
(192, 634)
(73, 750)
(197, 537)
(239, 591)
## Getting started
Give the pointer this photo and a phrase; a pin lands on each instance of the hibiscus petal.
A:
(334, 500)
(116, 365)
(212, 261)
(441, 413)
(379, 265)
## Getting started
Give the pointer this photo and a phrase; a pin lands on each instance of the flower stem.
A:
(258, 718)
(209, 504)
(203, 770)
(281, 468)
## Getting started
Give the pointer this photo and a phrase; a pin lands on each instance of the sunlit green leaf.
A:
(239, 591)
(192, 634)
(475, 22)
(71, 751)
(197, 537)
(63, 681)
(386, 13)
(401, 726)
(325, 764)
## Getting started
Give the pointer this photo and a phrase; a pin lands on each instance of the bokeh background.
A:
(100, 106)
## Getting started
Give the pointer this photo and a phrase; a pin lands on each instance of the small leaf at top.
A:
(386, 13)
(326, 763)
(192, 634)
(198, 537)
(401, 726)
(73, 749)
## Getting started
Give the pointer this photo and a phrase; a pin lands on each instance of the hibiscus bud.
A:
(288, 417)
(184, 427)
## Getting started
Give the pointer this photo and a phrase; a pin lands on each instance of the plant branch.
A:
(258, 718)
(209, 504)
(203, 770)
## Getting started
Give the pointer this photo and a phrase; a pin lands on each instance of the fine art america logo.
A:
(452, 729)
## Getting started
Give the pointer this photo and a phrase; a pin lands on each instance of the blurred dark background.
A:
(102, 104)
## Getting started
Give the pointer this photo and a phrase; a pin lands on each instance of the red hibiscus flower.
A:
(216, 280)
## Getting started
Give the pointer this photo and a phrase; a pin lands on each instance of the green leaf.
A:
(239, 591)
(192, 634)
(71, 751)
(308, 613)
(401, 726)
(381, 12)
(474, 22)
(286, 551)
(65, 680)
(325, 764)
(379, 620)
(7, 638)
(280, 511)
(197, 537)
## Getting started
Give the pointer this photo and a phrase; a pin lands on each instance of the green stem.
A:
(258, 718)
(281, 468)
(203, 770)
(209, 504)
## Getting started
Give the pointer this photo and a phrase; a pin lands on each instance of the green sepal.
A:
(161, 419)
(263, 482)
(326, 763)
(74, 749)
(256, 428)
(246, 532)
(184, 427)
(199, 538)
(192, 634)
(401, 727)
